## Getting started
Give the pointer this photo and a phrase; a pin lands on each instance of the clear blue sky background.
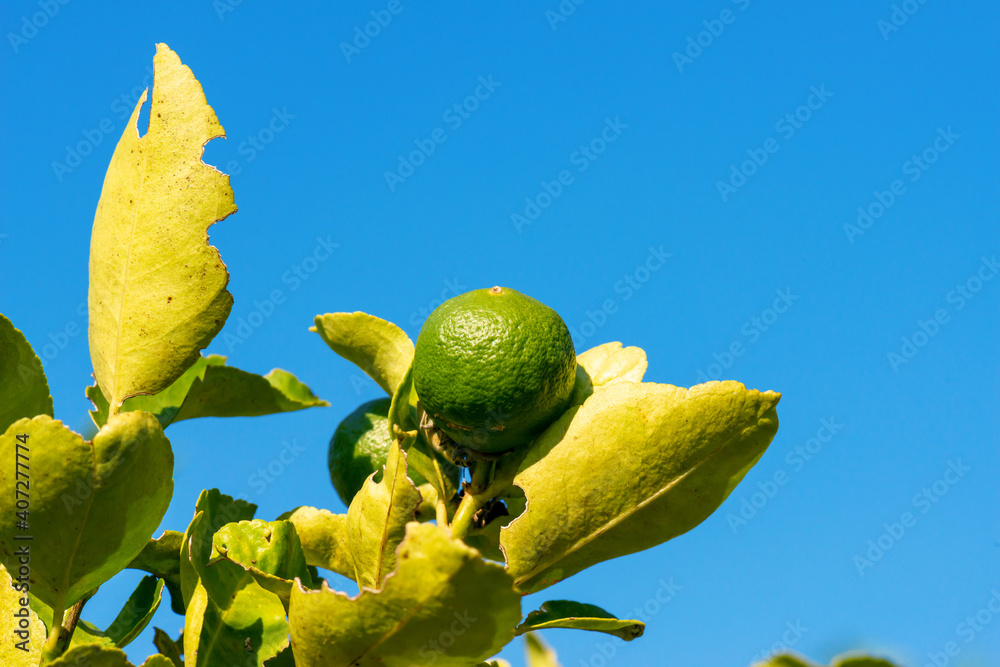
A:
(928, 88)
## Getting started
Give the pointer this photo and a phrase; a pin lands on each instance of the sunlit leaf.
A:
(230, 618)
(538, 653)
(579, 616)
(323, 536)
(24, 392)
(634, 466)
(212, 511)
(211, 389)
(379, 348)
(607, 364)
(377, 518)
(92, 655)
(269, 551)
(440, 586)
(23, 631)
(157, 288)
(93, 504)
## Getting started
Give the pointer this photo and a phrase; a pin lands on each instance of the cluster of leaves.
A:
(441, 568)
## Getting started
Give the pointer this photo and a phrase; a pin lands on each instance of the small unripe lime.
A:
(359, 447)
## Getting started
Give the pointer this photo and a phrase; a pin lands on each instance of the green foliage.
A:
(24, 392)
(579, 616)
(626, 465)
(440, 583)
(93, 505)
(209, 388)
(379, 348)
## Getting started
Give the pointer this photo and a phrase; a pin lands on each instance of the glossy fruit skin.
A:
(359, 447)
(493, 368)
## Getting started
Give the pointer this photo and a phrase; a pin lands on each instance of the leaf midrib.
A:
(587, 539)
(141, 144)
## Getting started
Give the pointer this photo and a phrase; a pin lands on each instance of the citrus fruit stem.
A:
(483, 488)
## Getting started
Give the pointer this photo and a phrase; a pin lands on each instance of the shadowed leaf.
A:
(579, 616)
(24, 392)
(211, 389)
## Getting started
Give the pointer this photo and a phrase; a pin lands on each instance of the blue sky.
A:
(822, 176)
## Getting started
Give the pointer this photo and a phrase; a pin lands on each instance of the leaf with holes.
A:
(211, 389)
(157, 288)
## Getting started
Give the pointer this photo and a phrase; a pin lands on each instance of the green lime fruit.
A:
(493, 368)
(360, 446)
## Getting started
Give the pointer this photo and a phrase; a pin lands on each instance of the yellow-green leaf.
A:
(379, 348)
(209, 388)
(377, 518)
(634, 466)
(439, 585)
(23, 632)
(92, 655)
(580, 616)
(24, 392)
(93, 505)
(212, 511)
(538, 653)
(157, 288)
(607, 364)
(168, 647)
(323, 536)
(161, 558)
(269, 551)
